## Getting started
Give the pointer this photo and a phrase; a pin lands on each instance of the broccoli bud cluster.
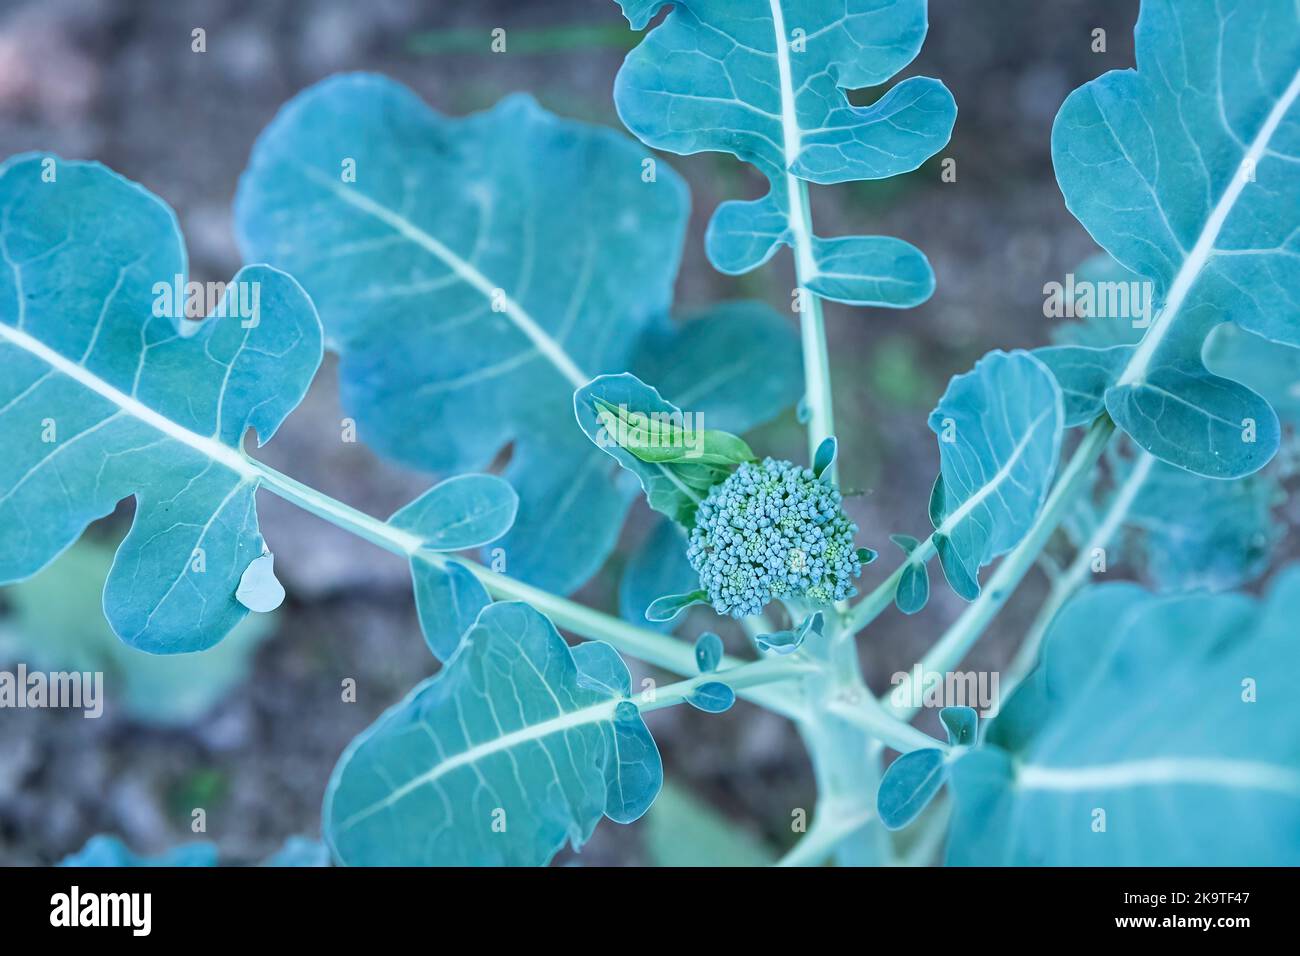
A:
(773, 530)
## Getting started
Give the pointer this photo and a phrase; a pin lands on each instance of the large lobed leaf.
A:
(765, 80)
(474, 274)
(1180, 530)
(1173, 716)
(1184, 171)
(519, 745)
(103, 397)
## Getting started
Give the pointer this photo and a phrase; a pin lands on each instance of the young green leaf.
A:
(517, 746)
(1184, 172)
(662, 439)
(108, 391)
(766, 82)
(676, 478)
(682, 830)
(56, 623)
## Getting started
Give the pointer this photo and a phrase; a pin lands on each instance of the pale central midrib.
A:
(1135, 371)
(1001, 475)
(548, 347)
(222, 454)
(586, 715)
(792, 143)
(1157, 771)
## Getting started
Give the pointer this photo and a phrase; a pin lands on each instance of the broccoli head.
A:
(773, 530)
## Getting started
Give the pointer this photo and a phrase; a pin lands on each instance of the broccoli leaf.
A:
(457, 514)
(909, 785)
(1150, 721)
(516, 746)
(1184, 172)
(766, 82)
(1180, 531)
(658, 567)
(666, 608)
(675, 483)
(472, 272)
(106, 850)
(999, 429)
(108, 391)
(913, 592)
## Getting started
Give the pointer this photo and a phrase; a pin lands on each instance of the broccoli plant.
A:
(498, 290)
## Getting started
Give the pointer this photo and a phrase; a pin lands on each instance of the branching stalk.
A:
(639, 642)
(1073, 578)
(967, 629)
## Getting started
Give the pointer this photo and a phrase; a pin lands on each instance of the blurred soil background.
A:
(255, 742)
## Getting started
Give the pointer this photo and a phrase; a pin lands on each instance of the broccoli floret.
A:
(773, 530)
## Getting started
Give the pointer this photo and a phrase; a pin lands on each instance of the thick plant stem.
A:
(966, 630)
(642, 643)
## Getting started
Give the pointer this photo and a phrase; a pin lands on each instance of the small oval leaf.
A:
(909, 785)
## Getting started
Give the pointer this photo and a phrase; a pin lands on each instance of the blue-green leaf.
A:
(999, 429)
(913, 591)
(105, 850)
(461, 513)
(1157, 731)
(659, 567)
(909, 785)
(473, 274)
(961, 723)
(664, 609)
(825, 456)
(448, 599)
(712, 697)
(517, 746)
(300, 851)
(766, 84)
(1180, 531)
(708, 652)
(736, 365)
(107, 391)
(1084, 374)
(1184, 172)
(464, 512)
(787, 642)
